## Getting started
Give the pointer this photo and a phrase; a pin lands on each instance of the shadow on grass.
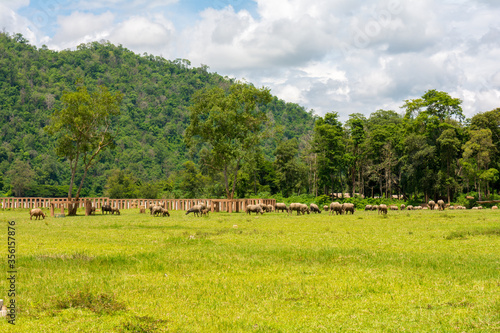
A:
(470, 233)
(101, 303)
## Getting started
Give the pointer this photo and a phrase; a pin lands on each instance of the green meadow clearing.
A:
(417, 271)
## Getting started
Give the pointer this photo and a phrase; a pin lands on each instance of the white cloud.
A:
(11, 21)
(82, 27)
(144, 34)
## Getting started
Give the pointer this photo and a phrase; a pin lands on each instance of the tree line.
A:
(183, 132)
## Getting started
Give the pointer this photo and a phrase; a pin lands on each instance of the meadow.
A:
(413, 271)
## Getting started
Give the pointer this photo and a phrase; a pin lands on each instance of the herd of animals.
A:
(301, 209)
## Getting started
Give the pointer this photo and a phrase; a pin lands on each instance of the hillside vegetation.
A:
(151, 124)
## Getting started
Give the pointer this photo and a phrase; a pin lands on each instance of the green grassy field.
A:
(418, 271)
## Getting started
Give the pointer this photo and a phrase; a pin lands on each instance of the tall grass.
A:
(410, 271)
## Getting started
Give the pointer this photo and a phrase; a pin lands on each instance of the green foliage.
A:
(229, 124)
(121, 184)
(329, 145)
(289, 171)
(83, 128)
(153, 114)
(193, 182)
(20, 176)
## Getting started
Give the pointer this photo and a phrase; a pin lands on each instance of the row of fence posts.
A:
(216, 205)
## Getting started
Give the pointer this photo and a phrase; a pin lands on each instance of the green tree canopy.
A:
(83, 128)
(229, 124)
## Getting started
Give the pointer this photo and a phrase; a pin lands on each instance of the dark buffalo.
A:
(107, 208)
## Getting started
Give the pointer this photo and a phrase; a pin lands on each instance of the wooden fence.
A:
(217, 205)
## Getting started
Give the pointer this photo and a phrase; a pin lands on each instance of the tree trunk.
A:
(479, 191)
(235, 180)
(341, 184)
(226, 181)
(73, 206)
(333, 189)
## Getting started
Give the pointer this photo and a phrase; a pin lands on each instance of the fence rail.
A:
(217, 205)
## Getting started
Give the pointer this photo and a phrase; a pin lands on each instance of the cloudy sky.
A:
(349, 56)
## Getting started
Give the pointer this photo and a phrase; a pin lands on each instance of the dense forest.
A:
(150, 158)
(426, 150)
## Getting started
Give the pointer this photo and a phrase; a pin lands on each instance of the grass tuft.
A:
(143, 324)
(101, 303)
(463, 234)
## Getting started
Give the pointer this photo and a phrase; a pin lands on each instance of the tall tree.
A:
(289, 171)
(356, 137)
(383, 143)
(449, 145)
(83, 129)
(229, 123)
(435, 103)
(477, 157)
(330, 147)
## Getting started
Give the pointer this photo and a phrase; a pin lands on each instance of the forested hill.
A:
(154, 112)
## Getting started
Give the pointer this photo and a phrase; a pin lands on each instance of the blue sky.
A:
(349, 56)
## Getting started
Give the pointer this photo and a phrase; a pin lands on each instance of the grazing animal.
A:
(106, 208)
(440, 204)
(270, 208)
(494, 207)
(410, 207)
(92, 210)
(336, 207)
(36, 212)
(254, 209)
(348, 207)
(164, 212)
(196, 209)
(299, 208)
(280, 206)
(115, 210)
(142, 210)
(432, 204)
(326, 208)
(205, 212)
(393, 207)
(368, 207)
(382, 209)
(403, 207)
(315, 208)
(375, 207)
